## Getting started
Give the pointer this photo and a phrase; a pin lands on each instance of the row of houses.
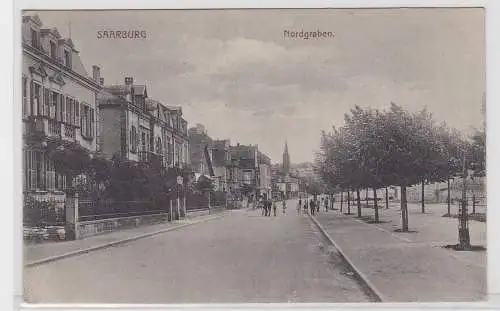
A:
(66, 107)
(242, 171)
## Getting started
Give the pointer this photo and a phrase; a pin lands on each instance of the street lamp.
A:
(463, 221)
(179, 184)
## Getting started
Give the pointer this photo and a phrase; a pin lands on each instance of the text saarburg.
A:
(122, 34)
(306, 35)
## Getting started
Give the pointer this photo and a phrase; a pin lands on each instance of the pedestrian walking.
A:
(316, 204)
(312, 206)
(268, 207)
(284, 206)
(299, 206)
(326, 204)
(305, 207)
(274, 207)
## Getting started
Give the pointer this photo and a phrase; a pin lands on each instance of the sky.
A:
(235, 72)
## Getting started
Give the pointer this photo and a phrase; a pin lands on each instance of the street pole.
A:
(463, 230)
(208, 201)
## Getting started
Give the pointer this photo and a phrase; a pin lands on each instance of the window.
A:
(25, 96)
(52, 107)
(36, 99)
(87, 121)
(39, 173)
(35, 39)
(158, 146)
(50, 174)
(69, 111)
(53, 50)
(30, 173)
(67, 59)
(143, 141)
(133, 139)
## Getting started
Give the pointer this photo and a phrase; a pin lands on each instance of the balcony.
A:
(40, 126)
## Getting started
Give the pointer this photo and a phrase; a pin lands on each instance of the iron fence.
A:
(98, 210)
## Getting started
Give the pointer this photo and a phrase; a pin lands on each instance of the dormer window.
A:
(35, 39)
(67, 59)
(53, 50)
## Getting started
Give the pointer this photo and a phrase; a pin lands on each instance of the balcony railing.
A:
(69, 131)
(54, 128)
(43, 126)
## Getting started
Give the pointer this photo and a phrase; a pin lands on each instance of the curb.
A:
(369, 285)
(115, 243)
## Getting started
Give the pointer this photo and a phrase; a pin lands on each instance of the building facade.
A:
(137, 128)
(59, 106)
(200, 150)
(265, 178)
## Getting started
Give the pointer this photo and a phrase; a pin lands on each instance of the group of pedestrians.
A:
(267, 205)
(313, 205)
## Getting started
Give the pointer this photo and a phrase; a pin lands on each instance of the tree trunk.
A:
(448, 199)
(366, 198)
(359, 202)
(404, 210)
(341, 200)
(473, 204)
(386, 198)
(375, 205)
(348, 201)
(423, 197)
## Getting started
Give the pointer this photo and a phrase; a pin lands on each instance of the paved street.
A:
(242, 257)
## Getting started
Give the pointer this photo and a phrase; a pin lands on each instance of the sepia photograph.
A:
(205, 156)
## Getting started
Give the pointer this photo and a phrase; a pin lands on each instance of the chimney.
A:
(96, 73)
(128, 88)
(101, 81)
(129, 80)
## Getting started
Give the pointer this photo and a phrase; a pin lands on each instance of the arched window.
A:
(158, 146)
(133, 139)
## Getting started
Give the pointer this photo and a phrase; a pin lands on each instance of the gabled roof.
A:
(34, 18)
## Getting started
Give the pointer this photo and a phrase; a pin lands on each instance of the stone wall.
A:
(96, 227)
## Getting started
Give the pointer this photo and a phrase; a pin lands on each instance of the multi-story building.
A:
(59, 110)
(265, 180)
(221, 151)
(200, 150)
(137, 128)
(244, 170)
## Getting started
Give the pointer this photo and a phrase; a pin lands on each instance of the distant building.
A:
(265, 178)
(286, 160)
(285, 183)
(244, 170)
(199, 147)
(221, 155)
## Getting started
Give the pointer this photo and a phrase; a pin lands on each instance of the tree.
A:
(376, 149)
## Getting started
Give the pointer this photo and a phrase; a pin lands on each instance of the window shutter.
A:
(76, 121)
(63, 108)
(92, 122)
(43, 101)
(82, 116)
(32, 111)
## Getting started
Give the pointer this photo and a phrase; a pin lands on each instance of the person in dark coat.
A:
(312, 205)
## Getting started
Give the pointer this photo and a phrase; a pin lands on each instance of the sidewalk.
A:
(37, 252)
(412, 266)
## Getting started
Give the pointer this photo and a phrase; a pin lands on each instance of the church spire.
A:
(286, 160)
